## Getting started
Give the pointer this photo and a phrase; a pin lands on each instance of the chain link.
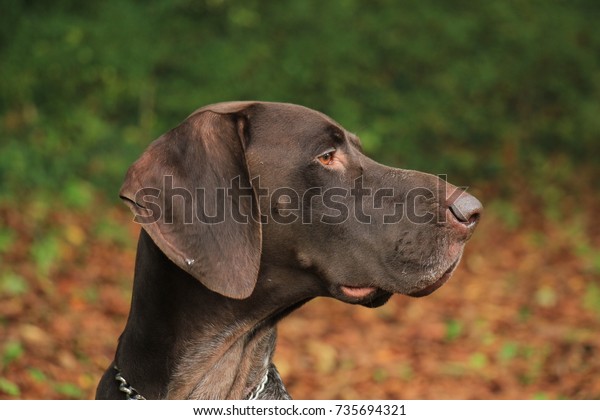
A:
(260, 388)
(130, 392)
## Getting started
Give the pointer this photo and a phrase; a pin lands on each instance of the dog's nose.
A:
(466, 210)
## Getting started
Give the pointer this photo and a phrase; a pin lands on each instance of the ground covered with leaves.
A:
(519, 319)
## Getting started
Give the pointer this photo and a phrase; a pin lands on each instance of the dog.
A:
(249, 210)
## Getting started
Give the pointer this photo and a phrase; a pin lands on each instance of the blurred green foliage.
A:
(12, 351)
(69, 390)
(454, 329)
(9, 387)
(475, 89)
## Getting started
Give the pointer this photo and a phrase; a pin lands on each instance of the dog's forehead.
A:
(294, 121)
(292, 115)
(301, 122)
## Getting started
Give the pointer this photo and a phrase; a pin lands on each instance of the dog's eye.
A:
(326, 158)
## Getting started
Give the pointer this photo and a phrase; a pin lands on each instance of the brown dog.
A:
(249, 210)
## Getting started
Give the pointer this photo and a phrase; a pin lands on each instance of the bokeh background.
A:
(503, 96)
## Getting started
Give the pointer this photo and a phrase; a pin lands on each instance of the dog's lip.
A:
(357, 292)
(369, 296)
(438, 283)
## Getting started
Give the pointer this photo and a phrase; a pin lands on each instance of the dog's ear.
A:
(191, 192)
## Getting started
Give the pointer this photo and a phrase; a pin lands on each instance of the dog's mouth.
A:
(438, 283)
(369, 296)
(354, 292)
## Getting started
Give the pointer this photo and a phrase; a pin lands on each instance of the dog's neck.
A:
(183, 341)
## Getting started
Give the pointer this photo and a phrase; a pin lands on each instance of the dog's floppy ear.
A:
(191, 192)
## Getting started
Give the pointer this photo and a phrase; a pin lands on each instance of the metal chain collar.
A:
(132, 394)
(260, 388)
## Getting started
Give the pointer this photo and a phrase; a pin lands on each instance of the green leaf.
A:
(508, 351)
(45, 253)
(453, 329)
(9, 387)
(68, 390)
(37, 375)
(12, 351)
(7, 239)
(13, 285)
(478, 360)
(591, 299)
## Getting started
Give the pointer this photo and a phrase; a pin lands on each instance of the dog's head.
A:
(240, 185)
